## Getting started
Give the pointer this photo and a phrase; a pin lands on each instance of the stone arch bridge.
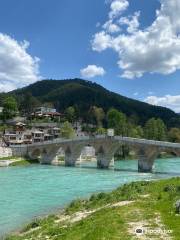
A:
(105, 148)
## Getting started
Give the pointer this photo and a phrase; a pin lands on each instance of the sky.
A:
(131, 47)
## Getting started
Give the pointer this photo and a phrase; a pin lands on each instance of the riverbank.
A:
(149, 206)
(15, 161)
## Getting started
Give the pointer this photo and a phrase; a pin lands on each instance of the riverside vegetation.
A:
(19, 161)
(149, 206)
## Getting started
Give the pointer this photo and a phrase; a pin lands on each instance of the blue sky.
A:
(62, 39)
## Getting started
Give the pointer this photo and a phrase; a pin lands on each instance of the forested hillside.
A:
(84, 94)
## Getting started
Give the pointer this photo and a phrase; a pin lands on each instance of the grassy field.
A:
(148, 206)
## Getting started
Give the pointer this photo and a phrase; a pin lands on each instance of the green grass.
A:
(23, 162)
(9, 158)
(18, 161)
(151, 201)
(61, 158)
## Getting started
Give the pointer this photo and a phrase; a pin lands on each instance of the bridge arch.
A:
(35, 154)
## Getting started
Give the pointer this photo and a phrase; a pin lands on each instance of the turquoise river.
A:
(37, 190)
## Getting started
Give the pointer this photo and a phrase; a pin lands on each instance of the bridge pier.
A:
(49, 159)
(72, 154)
(144, 165)
(146, 155)
(70, 160)
(104, 161)
(105, 155)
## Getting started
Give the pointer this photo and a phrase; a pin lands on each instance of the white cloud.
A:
(132, 22)
(92, 71)
(101, 41)
(117, 7)
(168, 101)
(155, 49)
(111, 27)
(17, 67)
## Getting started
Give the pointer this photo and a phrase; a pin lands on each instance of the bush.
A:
(75, 206)
(34, 224)
(169, 188)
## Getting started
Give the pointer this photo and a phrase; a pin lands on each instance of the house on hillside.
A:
(46, 112)
(38, 136)
(19, 135)
(55, 132)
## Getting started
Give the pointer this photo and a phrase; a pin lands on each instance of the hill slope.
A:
(83, 94)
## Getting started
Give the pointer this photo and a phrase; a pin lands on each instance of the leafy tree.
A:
(97, 115)
(174, 135)
(162, 130)
(70, 114)
(9, 108)
(77, 112)
(117, 120)
(150, 129)
(29, 104)
(88, 129)
(139, 132)
(101, 131)
(155, 129)
(67, 131)
(2, 97)
(135, 131)
(134, 119)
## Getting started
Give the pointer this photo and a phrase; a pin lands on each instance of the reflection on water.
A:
(28, 192)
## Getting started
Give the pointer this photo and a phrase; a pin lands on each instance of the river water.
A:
(30, 192)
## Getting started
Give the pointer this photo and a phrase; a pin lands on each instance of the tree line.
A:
(154, 129)
(96, 120)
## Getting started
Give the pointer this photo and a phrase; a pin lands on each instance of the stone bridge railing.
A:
(105, 147)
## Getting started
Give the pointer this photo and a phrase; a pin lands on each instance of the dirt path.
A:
(146, 229)
(78, 216)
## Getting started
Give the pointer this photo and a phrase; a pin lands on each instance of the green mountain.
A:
(84, 94)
